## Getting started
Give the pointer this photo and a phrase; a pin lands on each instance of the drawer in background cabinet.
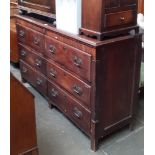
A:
(32, 58)
(121, 18)
(36, 79)
(128, 2)
(75, 86)
(30, 38)
(73, 59)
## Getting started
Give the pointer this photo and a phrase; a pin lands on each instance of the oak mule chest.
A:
(94, 83)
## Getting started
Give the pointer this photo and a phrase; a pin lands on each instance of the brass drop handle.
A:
(24, 70)
(36, 41)
(122, 19)
(21, 33)
(54, 93)
(77, 113)
(78, 90)
(23, 53)
(38, 62)
(64, 48)
(53, 73)
(52, 49)
(39, 81)
(77, 61)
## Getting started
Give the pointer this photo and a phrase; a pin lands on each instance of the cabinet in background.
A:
(23, 139)
(101, 18)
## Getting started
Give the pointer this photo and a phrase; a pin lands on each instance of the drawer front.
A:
(57, 95)
(79, 114)
(71, 107)
(54, 35)
(128, 2)
(31, 38)
(34, 78)
(21, 33)
(120, 18)
(27, 72)
(75, 86)
(36, 40)
(73, 59)
(41, 84)
(32, 59)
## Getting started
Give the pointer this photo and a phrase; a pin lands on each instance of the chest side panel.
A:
(116, 83)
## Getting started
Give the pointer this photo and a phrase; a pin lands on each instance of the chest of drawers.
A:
(103, 18)
(94, 83)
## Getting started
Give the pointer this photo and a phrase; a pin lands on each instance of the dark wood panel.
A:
(73, 109)
(22, 119)
(73, 59)
(36, 79)
(41, 84)
(141, 6)
(57, 96)
(40, 5)
(36, 40)
(31, 38)
(90, 20)
(95, 25)
(120, 18)
(128, 2)
(27, 73)
(14, 56)
(111, 3)
(69, 82)
(118, 69)
(32, 58)
(21, 33)
(79, 114)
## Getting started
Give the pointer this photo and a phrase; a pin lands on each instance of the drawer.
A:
(79, 115)
(72, 108)
(128, 2)
(54, 35)
(27, 72)
(41, 83)
(57, 96)
(31, 38)
(120, 18)
(73, 59)
(21, 33)
(33, 59)
(75, 86)
(36, 40)
(34, 78)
